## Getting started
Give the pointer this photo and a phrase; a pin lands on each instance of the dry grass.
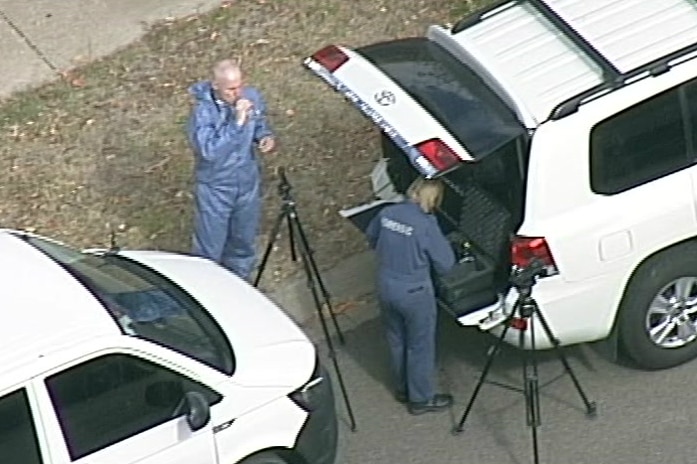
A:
(105, 148)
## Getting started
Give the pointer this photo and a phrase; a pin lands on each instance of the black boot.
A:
(439, 402)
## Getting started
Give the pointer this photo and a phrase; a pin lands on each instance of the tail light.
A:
(330, 57)
(526, 249)
(438, 154)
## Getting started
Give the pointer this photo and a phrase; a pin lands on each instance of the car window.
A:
(18, 442)
(111, 398)
(145, 304)
(640, 144)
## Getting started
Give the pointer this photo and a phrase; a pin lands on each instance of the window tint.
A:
(639, 145)
(111, 398)
(691, 103)
(18, 443)
(145, 304)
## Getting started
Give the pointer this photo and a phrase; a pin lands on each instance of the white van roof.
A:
(539, 54)
(43, 306)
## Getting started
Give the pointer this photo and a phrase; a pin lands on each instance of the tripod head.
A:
(523, 279)
(284, 186)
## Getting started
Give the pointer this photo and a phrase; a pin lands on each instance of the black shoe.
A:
(439, 402)
(401, 397)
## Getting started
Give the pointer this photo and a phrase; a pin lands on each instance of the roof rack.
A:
(613, 70)
(477, 15)
(652, 69)
(610, 71)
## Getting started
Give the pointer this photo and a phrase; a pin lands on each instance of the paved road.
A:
(644, 417)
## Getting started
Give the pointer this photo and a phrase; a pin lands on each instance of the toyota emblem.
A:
(385, 98)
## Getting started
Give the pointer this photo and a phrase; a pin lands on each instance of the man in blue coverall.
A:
(409, 244)
(227, 123)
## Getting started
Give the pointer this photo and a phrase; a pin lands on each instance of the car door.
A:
(122, 409)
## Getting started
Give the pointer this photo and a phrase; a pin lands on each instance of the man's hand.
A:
(243, 107)
(267, 144)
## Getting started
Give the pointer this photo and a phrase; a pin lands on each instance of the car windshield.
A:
(145, 304)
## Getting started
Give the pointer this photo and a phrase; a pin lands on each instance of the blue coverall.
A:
(228, 178)
(409, 243)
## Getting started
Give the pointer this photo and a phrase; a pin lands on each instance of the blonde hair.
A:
(427, 193)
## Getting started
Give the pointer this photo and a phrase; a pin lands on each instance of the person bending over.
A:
(409, 245)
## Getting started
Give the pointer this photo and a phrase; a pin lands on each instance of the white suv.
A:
(569, 128)
(150, 357)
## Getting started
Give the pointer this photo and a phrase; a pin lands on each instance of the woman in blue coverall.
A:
(410, 244)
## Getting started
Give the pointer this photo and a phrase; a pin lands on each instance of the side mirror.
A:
(198, 413)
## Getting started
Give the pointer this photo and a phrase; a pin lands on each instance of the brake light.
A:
(525, 249)
(330, 57)
(438, 154)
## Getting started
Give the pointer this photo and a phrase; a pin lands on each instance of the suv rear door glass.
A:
(18, 442)
(146, 304)
(640, 144)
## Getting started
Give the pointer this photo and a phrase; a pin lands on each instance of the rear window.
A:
(453, 94)
(145, 304)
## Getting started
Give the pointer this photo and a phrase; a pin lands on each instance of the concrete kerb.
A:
(349, 280)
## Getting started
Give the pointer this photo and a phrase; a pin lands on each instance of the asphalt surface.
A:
(643, 417)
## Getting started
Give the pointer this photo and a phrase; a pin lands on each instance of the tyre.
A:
(265, 457)
(658, 314)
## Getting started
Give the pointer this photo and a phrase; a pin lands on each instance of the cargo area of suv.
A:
(484, 200)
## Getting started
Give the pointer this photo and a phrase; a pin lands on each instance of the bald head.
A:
(227, 80)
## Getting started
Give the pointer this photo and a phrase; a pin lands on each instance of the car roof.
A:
(43, 307)
(543, 53)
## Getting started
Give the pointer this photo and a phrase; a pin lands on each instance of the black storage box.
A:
(486, 225)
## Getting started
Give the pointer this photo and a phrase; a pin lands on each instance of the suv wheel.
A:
(658, 315)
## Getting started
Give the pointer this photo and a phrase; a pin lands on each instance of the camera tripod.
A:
(526, 310)
(289, 215)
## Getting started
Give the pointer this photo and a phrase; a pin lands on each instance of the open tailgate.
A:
(436, 110)
(430, 148)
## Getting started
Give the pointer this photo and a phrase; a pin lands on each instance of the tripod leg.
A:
(272, 239)
(531, 389)
(330, 345)
(591, 407)
(493, 351)
(291, 238)
(315, 271)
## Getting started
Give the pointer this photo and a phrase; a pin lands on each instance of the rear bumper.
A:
(318, 439)
(577, 312)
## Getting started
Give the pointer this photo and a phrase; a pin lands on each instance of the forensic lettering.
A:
(395, 226)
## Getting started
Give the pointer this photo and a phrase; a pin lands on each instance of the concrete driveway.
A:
(643, 417)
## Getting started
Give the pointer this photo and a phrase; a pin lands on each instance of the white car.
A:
(144, 357)
(567, 133)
